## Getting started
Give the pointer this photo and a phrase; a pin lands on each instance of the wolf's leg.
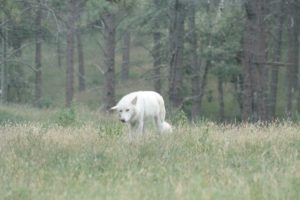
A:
(140, 127)
(159, 124)
(133, 130)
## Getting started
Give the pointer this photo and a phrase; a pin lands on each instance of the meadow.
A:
(80, 154)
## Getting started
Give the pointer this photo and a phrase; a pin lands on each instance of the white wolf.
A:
(135, 107)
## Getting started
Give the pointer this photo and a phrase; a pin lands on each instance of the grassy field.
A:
(45, 156)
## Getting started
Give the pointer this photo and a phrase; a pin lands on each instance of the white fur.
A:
(136, 107)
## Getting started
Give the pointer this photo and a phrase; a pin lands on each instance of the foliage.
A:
(43, 103)
(66, 116)
(105, 128)
(222, 33)
(179, 119)
(8, 117)
(219, 32)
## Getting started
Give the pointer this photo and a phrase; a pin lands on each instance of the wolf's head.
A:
(126, 110)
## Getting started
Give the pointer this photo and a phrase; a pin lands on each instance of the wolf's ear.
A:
(133, 102)
(113, 108)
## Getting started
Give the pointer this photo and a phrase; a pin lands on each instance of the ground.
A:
(93, 159)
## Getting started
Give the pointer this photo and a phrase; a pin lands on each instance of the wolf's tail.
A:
(167, 127)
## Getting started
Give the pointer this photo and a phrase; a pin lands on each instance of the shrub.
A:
(43, 103)
(66, 116)
(180, 119)
(109, 128)
(6, 117)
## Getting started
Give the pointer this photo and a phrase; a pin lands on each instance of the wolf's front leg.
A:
(140, 128)
(159, 124)
(134, 130)
(130, 134)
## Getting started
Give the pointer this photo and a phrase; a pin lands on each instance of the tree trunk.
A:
(38, 55)
(81, 71)
(261, 70)
(203, 82)
(238, 88)
(3, 67)
(205, 64)
(254, 71)
(195, 67)
(221, 98)
(59, 52)
(277, 58)
(176, 58)
(125, 56)
(109, 60)
(293, 52)
(70, 53)
(16, 82)
(247, 94)
(157, 51)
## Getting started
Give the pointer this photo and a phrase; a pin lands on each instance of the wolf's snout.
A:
(123, 120)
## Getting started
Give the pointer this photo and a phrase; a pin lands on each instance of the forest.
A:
(229, 74)
(219, 59)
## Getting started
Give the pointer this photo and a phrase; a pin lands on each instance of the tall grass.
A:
(95, 160)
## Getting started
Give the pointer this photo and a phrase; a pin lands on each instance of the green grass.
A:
(92, 158)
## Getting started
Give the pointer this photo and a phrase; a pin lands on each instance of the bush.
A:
(109, 128)
(180, 119)
(6, 117)
(43, 103)
(66, 116)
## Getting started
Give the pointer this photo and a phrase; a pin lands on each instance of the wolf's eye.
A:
(127, 110)
(120, 111)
